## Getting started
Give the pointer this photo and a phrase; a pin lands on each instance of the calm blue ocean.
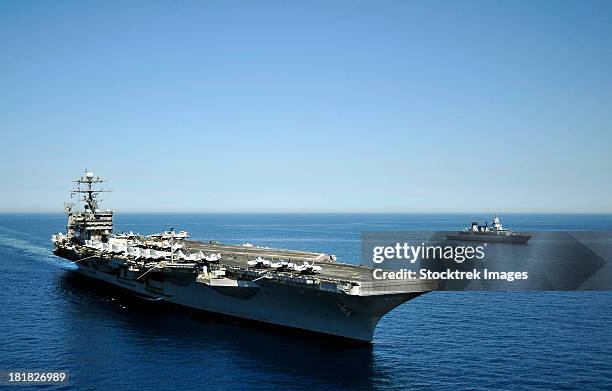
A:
(53, 319)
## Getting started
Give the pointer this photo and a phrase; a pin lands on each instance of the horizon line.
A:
(43, 211)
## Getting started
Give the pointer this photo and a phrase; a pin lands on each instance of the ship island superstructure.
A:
(299, 289)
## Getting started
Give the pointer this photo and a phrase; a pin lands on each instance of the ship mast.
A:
(85, 186)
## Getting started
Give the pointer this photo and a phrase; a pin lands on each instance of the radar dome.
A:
(89, 174)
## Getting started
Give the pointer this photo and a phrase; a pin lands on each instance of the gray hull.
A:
(489, 237)
(353, 317)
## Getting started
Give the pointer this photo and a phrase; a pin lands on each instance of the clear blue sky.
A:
(460, 106)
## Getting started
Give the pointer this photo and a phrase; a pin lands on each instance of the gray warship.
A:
(489, 233)
(296, 289)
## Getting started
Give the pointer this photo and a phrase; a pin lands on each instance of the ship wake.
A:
(33, 251)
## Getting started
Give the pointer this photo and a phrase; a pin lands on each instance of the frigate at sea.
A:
(489, 233)
(297, 289)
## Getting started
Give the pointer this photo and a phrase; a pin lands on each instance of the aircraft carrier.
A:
(297, 289)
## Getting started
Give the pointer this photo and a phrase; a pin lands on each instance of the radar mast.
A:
(85, 186)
